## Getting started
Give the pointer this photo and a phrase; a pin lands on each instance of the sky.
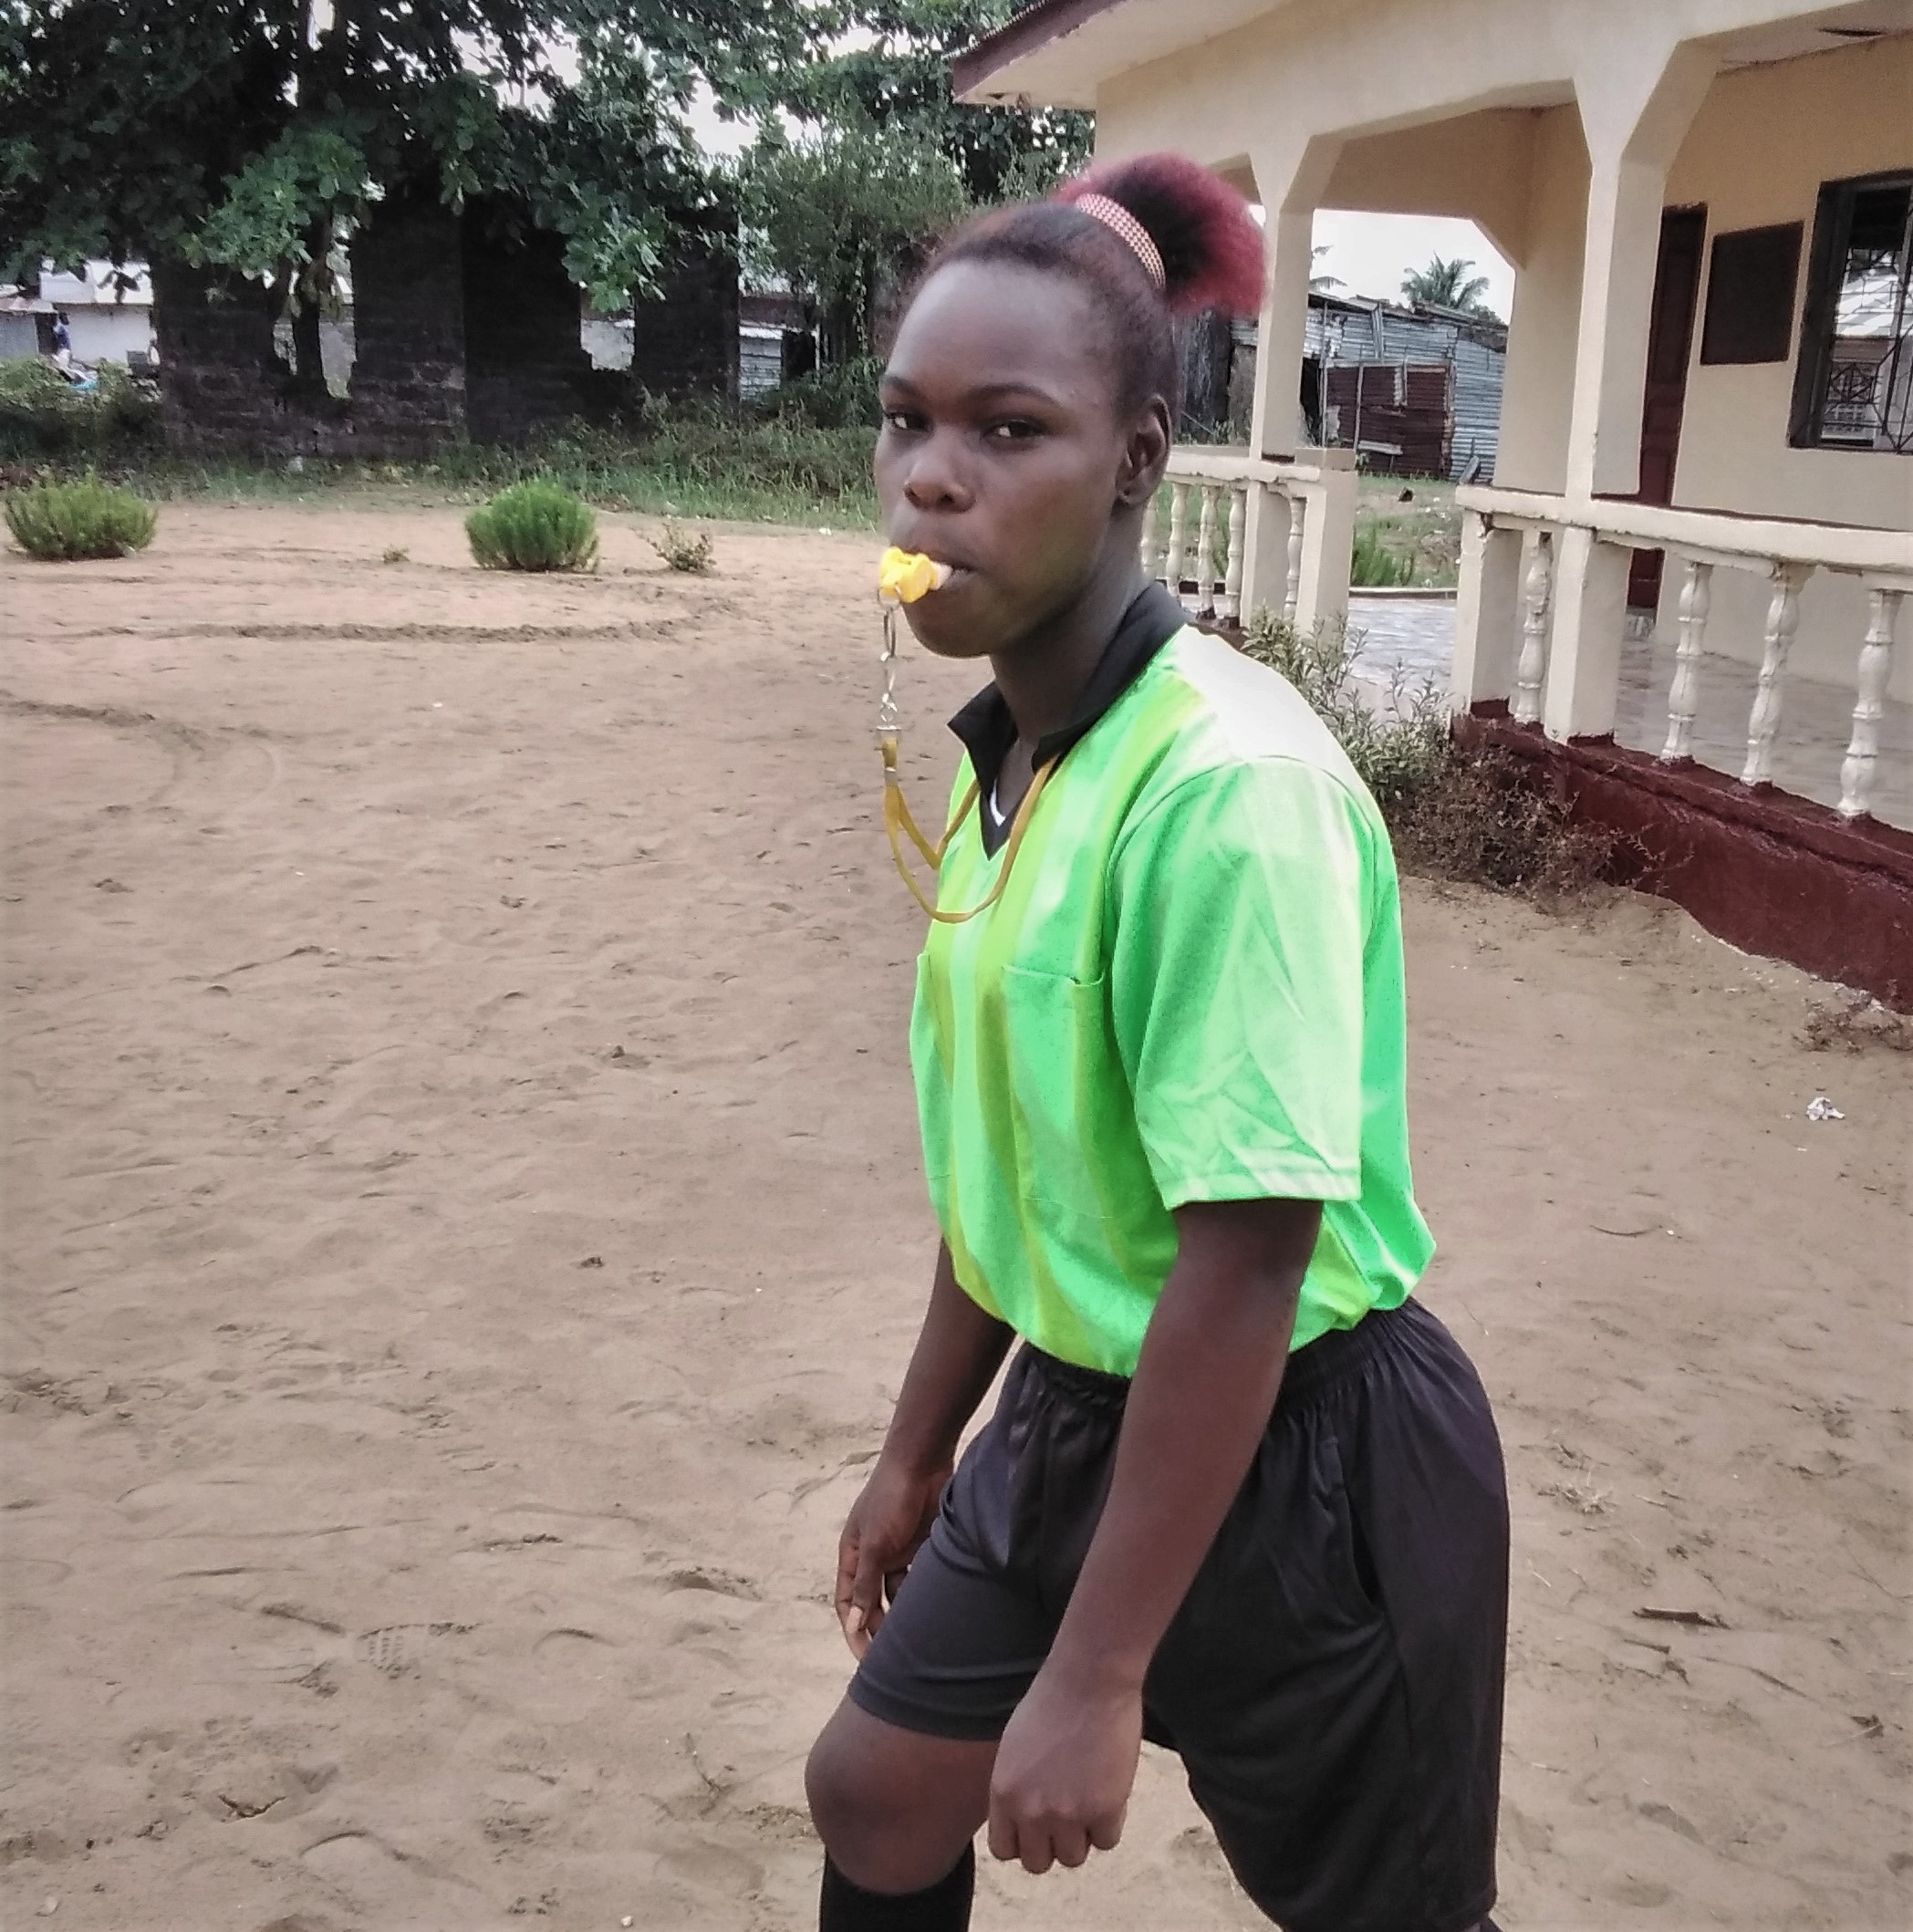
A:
(1369, 254)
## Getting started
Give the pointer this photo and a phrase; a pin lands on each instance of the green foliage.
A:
(1373, 565)
(682, 551)
(1399, 748)
(536, 525)
(1457, 813)
(71, 522)
(843, 397)
(42, 414)
(896, 78)
(840, 215)
(1449, 285)
(252, 132)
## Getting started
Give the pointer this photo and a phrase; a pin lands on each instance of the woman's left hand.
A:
(1064, 1772)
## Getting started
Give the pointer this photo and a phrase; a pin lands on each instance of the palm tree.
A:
(1320, 285)
(1449, 285)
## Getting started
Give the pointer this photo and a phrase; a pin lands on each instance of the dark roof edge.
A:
(1035, 27)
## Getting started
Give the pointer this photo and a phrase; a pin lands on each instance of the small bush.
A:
(42, 414)
(533, 525)
(69, 522)
(396, 554)
(843, 397)
(1372, 566)
(1469, 816)
(682, 551)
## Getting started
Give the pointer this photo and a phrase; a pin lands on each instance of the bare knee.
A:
(894, 1810)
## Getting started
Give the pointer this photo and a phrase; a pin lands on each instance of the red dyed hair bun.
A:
(1210, 246)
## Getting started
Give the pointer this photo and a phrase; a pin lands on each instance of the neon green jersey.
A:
(1190, 990)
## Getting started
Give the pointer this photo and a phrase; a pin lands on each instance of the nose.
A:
(935, 481)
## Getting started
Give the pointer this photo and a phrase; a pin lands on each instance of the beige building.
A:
(1706, 427)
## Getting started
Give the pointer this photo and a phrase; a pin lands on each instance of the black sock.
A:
(944, 1907)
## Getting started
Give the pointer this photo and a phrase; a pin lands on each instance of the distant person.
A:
(1242, 1494)
(62, 340)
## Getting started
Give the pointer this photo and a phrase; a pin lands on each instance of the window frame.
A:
(1833, 223)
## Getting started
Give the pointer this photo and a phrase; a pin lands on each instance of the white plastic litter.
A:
(1821, 1109)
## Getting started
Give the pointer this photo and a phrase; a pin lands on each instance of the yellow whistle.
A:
(904, 576)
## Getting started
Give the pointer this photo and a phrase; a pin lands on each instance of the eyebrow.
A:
(989, 392)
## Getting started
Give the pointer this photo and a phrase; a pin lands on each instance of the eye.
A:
(1017, 430)
(902, 421)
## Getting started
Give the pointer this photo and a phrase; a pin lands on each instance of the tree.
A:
(841, 215)
(896, 77)
(1449, 285)
(252, 134)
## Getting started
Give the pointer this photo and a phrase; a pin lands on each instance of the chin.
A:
(947, 635)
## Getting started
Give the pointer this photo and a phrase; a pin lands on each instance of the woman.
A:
(1242, 1495)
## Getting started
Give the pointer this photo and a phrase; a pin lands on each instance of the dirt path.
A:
(463, 1230)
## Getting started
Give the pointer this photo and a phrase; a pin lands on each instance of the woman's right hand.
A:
(887, 1526)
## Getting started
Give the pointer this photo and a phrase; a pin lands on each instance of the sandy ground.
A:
(464, 1232)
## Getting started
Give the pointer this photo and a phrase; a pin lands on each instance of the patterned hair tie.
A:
(1112, 215)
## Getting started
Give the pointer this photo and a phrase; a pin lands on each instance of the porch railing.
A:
(1515, 546)
(1231, 534)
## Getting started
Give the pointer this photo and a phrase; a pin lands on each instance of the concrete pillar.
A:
(1327, 539)
(1590, 620)
(1634, 116)
(1265, 552)
(1289, 181)
(1487, 613)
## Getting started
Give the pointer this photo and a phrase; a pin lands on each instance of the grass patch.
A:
(73, 521)
(1453, 814)
(1373, 565)
(537, 525)
(706, 458)
(682, 551)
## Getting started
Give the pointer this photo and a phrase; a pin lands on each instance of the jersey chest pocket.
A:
(1065, 1089)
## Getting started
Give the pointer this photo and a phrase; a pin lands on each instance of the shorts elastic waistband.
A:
(1316, 1366)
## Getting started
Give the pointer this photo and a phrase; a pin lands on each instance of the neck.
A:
(1043, 675)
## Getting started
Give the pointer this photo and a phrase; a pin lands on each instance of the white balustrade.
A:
(1230, 610)
(1148, 544)
(1684, 700)
(1177, 537)
(1783, 622)
(1223, 503)
(1292, 577)
(1201, 602)
(1532, 665)
(1876, 661)
(1786, 553)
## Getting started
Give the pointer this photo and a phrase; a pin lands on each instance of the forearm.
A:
(1204, 1388)
(958, 1352)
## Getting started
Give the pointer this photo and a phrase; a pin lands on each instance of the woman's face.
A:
(1002, 452)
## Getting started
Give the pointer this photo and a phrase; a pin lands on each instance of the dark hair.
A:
(1209, 244)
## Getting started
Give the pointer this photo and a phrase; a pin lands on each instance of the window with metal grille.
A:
(1854, 386)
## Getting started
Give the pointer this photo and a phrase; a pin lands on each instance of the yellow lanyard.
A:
(901, 823)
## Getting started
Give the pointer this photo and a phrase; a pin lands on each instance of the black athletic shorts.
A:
(1333, 1680)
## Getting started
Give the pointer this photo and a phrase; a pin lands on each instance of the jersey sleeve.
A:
(1242, 905)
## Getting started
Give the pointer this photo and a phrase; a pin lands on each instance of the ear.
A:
(1145, 455)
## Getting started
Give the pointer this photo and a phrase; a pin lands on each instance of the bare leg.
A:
(895, 1808)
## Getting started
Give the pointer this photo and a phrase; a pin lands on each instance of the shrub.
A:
(1456, 813)
(682, 551)
(42, 414)
(66, 521)
(533, 525)
(1372, 566)
(843, 397)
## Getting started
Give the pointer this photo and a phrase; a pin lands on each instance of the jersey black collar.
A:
(988, 730)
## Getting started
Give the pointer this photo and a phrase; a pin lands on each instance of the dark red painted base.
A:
(1758, 868)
